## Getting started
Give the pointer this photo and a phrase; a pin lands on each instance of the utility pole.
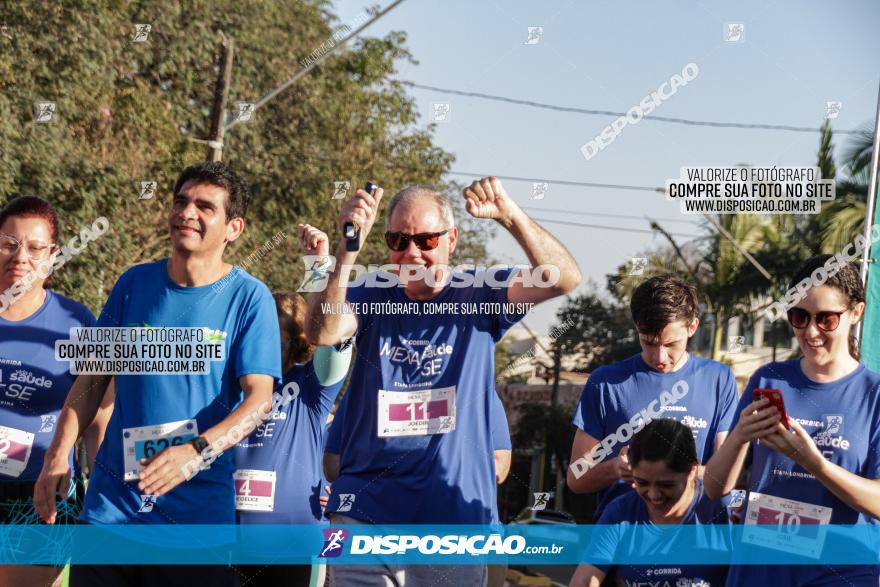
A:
(221, 93)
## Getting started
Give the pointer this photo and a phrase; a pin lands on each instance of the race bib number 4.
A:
(148, 441)
(786, 525)
(416, 413)
(254, 490)
(15, 450)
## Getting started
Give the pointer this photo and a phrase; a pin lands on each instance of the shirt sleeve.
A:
(257, 348)
(500, 428)
(112, 315)
(330, 367)
(604, 540)
(727, 402)
(590, 413)
(872, 463)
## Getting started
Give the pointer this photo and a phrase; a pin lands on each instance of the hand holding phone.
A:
(774, 396)
(351, 231)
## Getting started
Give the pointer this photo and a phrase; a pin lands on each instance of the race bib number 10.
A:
(148, 441)
(416, 413)
(786, 525)
(15, 450)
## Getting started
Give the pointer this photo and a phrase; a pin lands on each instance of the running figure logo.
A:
(833, 424)
(147, 503)
(47, 423)
(541, 501)
(346, 500)
(334, 540)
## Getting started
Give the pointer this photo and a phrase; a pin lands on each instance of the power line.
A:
(233, 120)
(617, 228)
(614, 186)
(608, 215)
(619, 114)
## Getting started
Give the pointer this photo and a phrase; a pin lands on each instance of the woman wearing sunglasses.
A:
(824, 467)
(33, 385)
(668, 496)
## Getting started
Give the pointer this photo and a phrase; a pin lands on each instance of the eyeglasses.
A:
(35, 250)
(827, 321)
(425, 241)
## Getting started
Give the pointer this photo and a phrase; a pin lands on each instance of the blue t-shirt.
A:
(500, 436)
(279, 477)
(843, 417)
(500, 441)
(615, 394)
(242, 314)
(33, 385)
(629, 510)
(416, 444)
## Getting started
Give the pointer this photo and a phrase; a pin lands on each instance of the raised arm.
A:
(335, 326)
(486, 198)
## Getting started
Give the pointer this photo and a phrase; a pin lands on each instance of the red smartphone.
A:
(775, 398)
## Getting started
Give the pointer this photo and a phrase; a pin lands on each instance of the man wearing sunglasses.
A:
(416, 447)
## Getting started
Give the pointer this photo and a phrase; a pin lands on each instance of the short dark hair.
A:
(662, 300)
(846, 281)
(219, 174)
(667, 440)
(33, 207)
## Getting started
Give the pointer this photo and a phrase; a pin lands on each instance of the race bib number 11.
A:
(416, 413)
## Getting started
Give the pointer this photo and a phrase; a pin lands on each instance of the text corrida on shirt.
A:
(626, 430)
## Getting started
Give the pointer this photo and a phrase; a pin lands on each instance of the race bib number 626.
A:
(147, 441)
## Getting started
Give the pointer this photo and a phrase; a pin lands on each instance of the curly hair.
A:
(846, 281)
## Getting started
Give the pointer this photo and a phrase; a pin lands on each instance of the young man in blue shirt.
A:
(664, 380)
(182, 413)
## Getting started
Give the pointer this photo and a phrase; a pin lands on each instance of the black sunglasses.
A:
(425, 241)
(826, 321)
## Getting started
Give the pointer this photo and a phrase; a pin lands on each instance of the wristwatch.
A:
(199, 443)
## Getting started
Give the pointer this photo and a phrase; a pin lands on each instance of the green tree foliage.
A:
(602, 331)
(128, 112)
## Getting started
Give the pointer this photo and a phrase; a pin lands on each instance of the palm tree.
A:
(844, 218)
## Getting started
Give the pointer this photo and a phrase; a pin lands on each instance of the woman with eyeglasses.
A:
(33, 385)
(279, 477)
(824, 467)
(659, 518)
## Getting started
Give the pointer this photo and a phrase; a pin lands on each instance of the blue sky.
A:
(795, 56)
